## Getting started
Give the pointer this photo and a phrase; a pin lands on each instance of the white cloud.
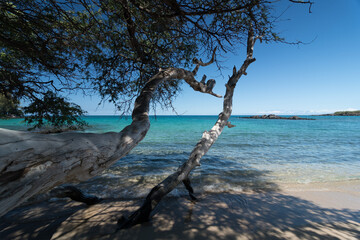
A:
(269, 112)
(351, 109)
(272, 112)
(321, 111)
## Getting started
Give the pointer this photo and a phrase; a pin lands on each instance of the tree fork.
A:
(204, 144)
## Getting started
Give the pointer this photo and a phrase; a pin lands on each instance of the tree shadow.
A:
(257, 215)
(247, 216)
(37, 221)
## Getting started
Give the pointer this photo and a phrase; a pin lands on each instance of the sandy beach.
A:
(299, 211)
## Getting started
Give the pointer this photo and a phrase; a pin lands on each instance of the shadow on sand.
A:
(260, 215)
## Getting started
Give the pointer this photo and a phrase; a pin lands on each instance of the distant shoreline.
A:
(272, 116)
(175, 116)
(214, 115)
(342, 113)
(10, 117)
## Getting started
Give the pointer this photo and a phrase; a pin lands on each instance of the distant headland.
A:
(11, 116)
(343, 113)
(273, 116)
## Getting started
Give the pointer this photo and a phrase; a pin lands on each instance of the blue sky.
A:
(320, 77)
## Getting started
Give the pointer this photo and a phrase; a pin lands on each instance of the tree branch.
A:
(32, 163)
(303, 2)
(180, 12)
(200, 62)
(204, 144)
(132, 33)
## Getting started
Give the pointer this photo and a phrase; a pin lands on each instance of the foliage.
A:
(55, 111)
(347, 113)
(113, 47)
(34, 57)
(9, 107)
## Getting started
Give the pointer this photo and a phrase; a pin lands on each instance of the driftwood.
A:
(32, 163)
(205, 143)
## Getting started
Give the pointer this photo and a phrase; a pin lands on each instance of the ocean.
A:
(256, 155)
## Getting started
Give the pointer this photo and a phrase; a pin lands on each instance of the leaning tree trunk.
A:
(31, 163)
(205, 143)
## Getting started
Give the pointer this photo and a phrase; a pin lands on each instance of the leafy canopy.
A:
(9, 107)
(54, 110)
(113, 47)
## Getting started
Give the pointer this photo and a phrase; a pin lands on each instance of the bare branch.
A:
(201, 148)
(229, 125)
(303, 2)
(200, 62)
(179, 73)
(66, 162)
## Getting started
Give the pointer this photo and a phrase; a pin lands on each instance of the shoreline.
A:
(334, 194)
(296, 211)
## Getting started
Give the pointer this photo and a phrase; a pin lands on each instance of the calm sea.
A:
(254, 155)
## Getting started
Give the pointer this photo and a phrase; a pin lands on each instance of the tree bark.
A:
(207, 140)
(31, 163)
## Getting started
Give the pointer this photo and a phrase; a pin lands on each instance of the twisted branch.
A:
(204, 144)
(32, 163)
(202, 86)
(303, 2)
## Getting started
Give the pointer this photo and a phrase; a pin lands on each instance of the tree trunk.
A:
(31, 163)
(201, 148)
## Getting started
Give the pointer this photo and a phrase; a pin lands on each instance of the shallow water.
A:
(255, 155)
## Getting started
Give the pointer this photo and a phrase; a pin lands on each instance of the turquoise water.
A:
(255, 155)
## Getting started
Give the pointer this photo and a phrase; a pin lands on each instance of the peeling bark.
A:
(207, 140)
(31, 163)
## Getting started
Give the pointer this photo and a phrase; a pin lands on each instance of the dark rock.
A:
(273, 116)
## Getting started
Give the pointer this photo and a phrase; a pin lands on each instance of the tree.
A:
(35, 61)
(120, 47)
(55, 110)
(204, 144)
(9, 107)
(113, 47)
